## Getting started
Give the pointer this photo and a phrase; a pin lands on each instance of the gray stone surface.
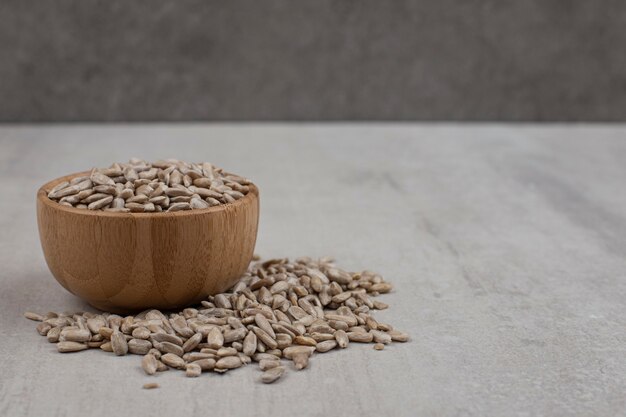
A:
(506, 245)
(81, 60)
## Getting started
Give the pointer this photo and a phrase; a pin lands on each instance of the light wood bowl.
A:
(121, 262)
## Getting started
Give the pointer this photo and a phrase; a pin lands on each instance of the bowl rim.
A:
(42, 197)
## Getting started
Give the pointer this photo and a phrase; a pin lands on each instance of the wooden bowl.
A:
(122, 262)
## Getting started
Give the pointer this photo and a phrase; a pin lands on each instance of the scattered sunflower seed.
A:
(149, 364)
(193, 370)
(272, 374)
(278, 310)
(65, 347)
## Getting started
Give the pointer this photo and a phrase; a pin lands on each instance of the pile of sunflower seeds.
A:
(279, 310)
(140, 186)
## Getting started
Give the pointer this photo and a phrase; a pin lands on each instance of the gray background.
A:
(85, 60)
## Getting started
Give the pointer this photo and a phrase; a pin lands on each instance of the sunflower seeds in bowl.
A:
(151, 187)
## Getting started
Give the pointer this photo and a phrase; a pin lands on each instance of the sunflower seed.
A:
(223, 352)
(179, 324)
(101, 179)
(167, 347)
(398, 336)
(205, 364)
(250, 344)
(272, 374)
(305, 341)
(266, 364)
(34, 316)
(380, 337)
(118, 343)
(326, 346)
(300, 360)
(149, 364)
(192, 342)
(215, 339)
(197, 203)
(67, 346)
(165, 337)
(141, 333)
(173, 361)
(54, 334)
(228, 362)
(75, 335)
(100, 203)
(297, 350)
(235, 335)
(342, 339)
(360, 337)
(193, 370)
(265, 325)
(139, 346)
(43, 328)
(54, 191)
(95, 323)
(264, 337)
(179, 207)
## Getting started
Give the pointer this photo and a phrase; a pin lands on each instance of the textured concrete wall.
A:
(312, 60)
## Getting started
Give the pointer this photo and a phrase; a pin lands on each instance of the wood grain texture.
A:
(132, 261)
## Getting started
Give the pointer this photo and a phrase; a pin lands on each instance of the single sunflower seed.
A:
(272, 375)
(149, 364)
(67, 346)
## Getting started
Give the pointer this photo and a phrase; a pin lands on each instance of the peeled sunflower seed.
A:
(65, 347)
(34, 316)
(380, 337)
(279, 309)
(118, 343)
(192, 342)
(250, 344)
(228, 362)
(205, 364)
(173, 361)
(193, 370)
(139, 346)
(43, 328)
(215, 339)
(272, 374)
(167, 347)
(342, 339)
(266, 364)
(397, 336)
(75, 335)
(54, 334)
(360, 337)
(326, 346)
(300, 360)
(149, 364)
